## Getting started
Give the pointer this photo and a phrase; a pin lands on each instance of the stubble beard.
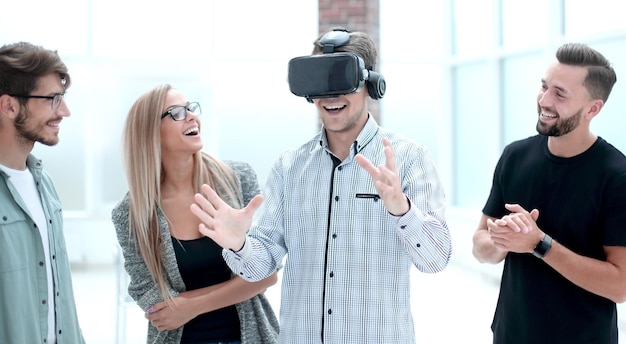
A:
(561, 127)
(26, 132)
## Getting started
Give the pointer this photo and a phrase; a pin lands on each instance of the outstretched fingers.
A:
(225, 225)
(206, 207)
(213, 200)
(367, 166)
(386, 180)
(390, 155)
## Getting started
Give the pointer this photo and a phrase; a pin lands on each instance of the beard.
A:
(561, 127)
(30, 131)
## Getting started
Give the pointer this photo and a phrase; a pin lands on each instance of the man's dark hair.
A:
(22, 64)
(600, 74)
(360, 44)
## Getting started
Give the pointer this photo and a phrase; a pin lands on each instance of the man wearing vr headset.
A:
(352, 209)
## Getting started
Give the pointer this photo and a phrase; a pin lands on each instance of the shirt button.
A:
(50, 221)
(335, 236)
(336, 198)
(403, 226)
(40, 263)
(340, 168)
(330, 311)
(4, 218)
(43, 302)
(418, 245)
(332, 274)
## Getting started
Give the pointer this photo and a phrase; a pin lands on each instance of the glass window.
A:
(476, 133)
(158, 32)
(524, 23)
(49, 24)
(426, 36)
(473, 27)
(585, 18)
(521, 82)
(412, 106)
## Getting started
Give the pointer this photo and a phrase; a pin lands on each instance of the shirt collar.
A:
(32, 163)
(365, 136)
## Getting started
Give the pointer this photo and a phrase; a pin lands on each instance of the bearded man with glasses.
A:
(36, 296)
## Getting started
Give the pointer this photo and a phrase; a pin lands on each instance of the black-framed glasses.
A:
(55, 99)
(179, 112)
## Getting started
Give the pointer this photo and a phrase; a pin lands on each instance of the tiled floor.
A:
(453, 306)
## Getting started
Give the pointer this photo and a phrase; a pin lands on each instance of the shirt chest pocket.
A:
(18, 235)
(368, 212)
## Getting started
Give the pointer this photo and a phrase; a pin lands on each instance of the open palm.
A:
(222, 223)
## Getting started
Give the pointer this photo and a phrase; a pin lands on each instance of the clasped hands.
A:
(516, 232)
(228, 226)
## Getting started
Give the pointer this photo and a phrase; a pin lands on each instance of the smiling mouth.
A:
(334, 108)
(544, 115)
(191, 131)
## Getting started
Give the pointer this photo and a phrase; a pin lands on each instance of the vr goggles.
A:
(332, 74)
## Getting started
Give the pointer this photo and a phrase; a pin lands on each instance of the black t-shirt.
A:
(582, 205)
(201, 264)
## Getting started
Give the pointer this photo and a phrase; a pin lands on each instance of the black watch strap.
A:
(543, 247)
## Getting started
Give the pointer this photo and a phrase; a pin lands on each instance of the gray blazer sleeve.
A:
(141, 288)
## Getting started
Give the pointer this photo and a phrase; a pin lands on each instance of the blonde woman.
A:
(178, 276)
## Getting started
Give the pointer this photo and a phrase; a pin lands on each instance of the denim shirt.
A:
(23, 279)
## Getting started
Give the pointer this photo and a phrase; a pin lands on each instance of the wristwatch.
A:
(543, 247)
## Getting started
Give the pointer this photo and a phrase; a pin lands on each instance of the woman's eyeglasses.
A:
(179, 112)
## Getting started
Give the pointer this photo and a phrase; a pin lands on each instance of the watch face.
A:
(543, 246)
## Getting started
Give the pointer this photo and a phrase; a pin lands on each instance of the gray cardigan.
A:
(257, 319)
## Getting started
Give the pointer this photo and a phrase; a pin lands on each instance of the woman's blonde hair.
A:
(142, 162)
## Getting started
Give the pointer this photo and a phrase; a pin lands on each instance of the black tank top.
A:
(201, 264)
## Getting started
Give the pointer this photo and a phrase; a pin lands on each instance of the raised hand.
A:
(387, 180)
(222, 223)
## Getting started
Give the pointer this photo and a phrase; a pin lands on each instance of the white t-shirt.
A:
(24, 182)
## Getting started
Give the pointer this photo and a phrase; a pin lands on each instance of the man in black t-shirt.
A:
(556, 215)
